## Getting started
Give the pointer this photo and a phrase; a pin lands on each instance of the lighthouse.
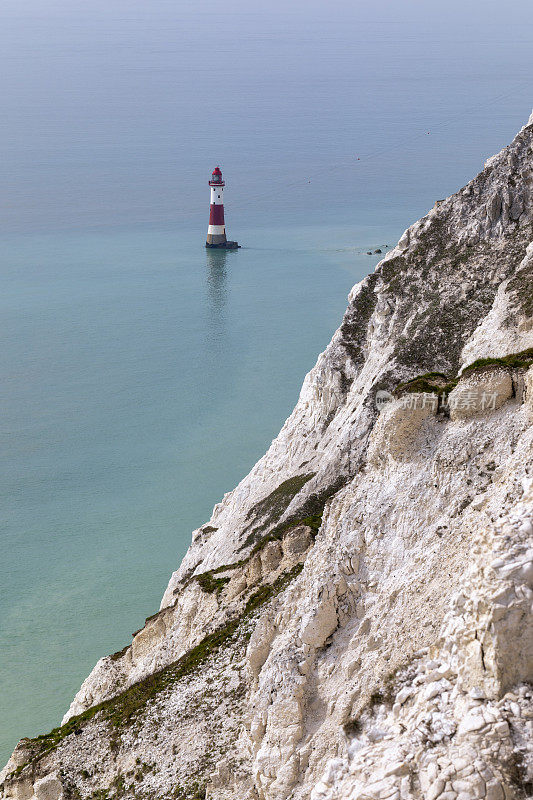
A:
(216, 232)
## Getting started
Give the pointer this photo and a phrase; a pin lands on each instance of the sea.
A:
(142, 376)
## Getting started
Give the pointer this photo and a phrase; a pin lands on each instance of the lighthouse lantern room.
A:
(216, 232)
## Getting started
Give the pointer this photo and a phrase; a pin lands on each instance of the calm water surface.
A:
(141, 376)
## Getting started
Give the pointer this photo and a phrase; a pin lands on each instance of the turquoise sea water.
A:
(141, 375)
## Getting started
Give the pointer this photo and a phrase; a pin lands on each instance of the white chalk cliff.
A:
(355, 620)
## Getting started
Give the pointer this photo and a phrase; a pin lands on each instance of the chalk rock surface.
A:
(355, 619)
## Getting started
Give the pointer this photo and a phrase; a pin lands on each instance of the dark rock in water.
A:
(223, 245)
(369, 252)
(379, 250)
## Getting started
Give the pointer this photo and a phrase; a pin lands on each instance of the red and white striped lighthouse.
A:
(216, 232)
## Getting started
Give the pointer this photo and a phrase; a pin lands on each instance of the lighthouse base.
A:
(223, 245)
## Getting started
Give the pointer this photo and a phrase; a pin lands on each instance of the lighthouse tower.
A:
(216, 232)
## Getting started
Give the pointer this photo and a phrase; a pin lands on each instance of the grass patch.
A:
(271, 508)
(196, 791)
(310, 513)
(432, 383)
(439, 383)
(226, 567)
(119, 653)
(278, 500)
(511, 361)
(314, 521)
(209, 583)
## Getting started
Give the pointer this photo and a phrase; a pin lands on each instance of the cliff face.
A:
(355, 620)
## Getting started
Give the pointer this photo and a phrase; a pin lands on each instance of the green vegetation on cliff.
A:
(440, 384)
(121, 710)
